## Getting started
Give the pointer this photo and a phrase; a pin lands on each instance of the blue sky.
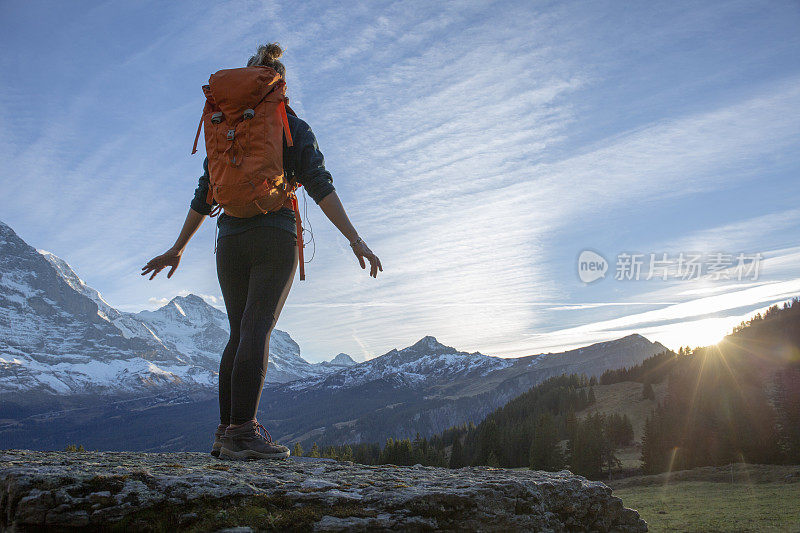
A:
(479, 148)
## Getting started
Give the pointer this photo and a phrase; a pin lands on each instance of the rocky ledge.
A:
(194, 492)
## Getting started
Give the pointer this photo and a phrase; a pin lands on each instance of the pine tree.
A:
(545, 453)
(492, 460)
(314, 451)
(347, 454)
(456, 454)
(298, 450)
(592, 398)
(647, 391)
(488, 437)
(626, 431)
(654, 444)
(591, 448)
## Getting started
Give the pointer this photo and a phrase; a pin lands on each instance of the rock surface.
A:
(193, 491)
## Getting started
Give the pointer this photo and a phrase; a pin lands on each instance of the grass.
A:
(708, 506)
(625, 399)
(760, 498)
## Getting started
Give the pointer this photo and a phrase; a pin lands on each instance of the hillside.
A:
(737, 401)
(712, 405)
(424, 389)
(625, 399)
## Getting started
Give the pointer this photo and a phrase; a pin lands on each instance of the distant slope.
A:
(592, 360)
(406, 391)
(625, 399)
(424, 389)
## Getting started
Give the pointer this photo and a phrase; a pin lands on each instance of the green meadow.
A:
(743, 498)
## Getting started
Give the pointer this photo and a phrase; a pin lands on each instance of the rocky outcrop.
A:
(173, 491)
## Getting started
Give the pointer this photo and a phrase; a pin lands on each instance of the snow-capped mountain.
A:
(339, 362)
(58, 335)
(341, 359)
(426, 388)
(128, 326)
(424, 362)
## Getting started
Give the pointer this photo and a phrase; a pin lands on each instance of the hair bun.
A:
(270, 51)
(267, 56)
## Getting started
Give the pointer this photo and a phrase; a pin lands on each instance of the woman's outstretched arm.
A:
(334, 210)
(172, 257)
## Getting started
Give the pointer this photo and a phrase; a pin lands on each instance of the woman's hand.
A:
(170, 258)
(333, 209)
(361, 250)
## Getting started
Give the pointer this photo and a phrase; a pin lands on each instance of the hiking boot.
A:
(247, 442)
(218, 434)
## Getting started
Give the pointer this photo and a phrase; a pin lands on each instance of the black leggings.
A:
(255, 270)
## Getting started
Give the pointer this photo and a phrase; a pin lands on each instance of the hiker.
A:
(260, 235)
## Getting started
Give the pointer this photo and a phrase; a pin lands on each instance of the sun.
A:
(703, 332)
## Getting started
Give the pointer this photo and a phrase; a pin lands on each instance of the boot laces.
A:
(266, 436)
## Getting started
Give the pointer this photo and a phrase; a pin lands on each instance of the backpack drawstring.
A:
(299, 227)
(216, 227)
(214, 212)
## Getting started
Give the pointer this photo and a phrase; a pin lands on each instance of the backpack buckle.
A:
(248, 114)
(231, 134)
(216, 118)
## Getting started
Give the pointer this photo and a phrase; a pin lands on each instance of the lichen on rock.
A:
(193, 491)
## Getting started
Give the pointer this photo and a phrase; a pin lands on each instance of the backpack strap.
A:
(197, 136)
(285, 121)
(291, 164)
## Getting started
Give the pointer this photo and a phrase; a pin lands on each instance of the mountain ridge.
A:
(59, 336)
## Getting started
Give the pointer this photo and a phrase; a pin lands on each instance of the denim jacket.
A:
(303, 161)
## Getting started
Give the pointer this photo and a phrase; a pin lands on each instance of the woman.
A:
(256, 262)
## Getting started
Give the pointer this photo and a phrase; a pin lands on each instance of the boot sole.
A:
(251, 454)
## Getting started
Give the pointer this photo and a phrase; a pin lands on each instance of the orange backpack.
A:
(245, 122)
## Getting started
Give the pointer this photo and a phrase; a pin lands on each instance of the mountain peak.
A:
(190, 299)
(426, 342)
(343, 359)
(428, 345)
(635, 338)
(190, 307)
(8, 237)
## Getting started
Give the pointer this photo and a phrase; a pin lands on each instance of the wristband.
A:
(356, 242)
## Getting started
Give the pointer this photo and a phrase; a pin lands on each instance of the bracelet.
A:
(356, 242)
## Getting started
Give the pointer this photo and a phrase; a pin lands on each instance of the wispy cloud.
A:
(478, 147)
